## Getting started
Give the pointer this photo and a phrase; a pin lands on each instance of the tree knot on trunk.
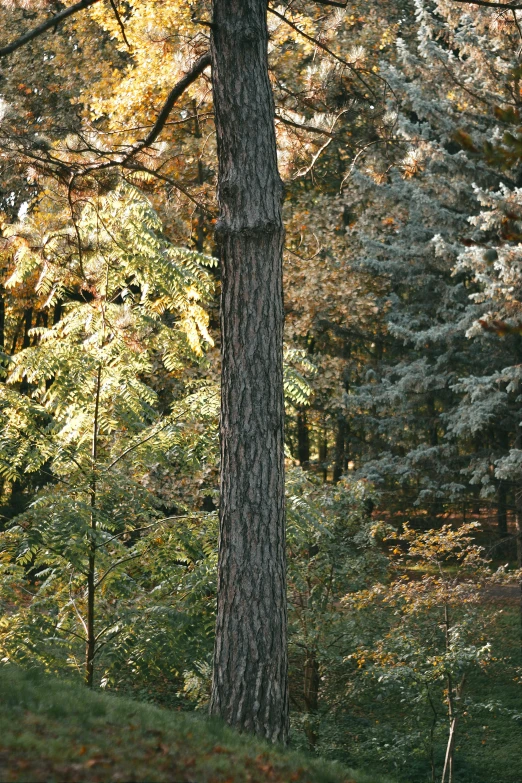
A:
(242, 31)
(254, 230)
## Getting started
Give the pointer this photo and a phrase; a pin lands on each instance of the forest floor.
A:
(54, 731)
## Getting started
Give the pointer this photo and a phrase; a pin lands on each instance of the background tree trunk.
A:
(502, 520)
(340, 448)
(303, 439)
(250, 688)
(311, 684)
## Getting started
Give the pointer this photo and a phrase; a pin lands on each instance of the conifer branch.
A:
(42, 28)
(323, 47)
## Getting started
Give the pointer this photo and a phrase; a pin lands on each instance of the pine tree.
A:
(440, 413)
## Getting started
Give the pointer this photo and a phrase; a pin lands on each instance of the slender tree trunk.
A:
(454, 695)
(323, 453)
(311, 696)
(518, 524)
(57, 311)
(250, 681)
(476, 507)
(303, 439)
(447, 774)
(28, 323)
(90, 648)
(2, 318)
(340, 448)
(502, 524)
(2, 348)
(199, 233)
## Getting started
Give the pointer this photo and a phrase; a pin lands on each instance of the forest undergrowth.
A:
(490, 732)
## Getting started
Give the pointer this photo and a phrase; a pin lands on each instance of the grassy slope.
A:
(52, 730)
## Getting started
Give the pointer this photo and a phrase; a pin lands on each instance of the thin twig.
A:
(145, 527)
(173, 183)
(107, 628)
(75, 224)
(321, 149)
(80, 618)
(119, 563)
(141, 442)
(42, 28)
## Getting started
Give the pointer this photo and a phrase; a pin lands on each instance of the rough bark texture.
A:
(249, 688)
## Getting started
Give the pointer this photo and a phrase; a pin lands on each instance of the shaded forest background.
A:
(400, 148)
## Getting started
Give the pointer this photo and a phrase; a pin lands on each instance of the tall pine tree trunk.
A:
(249, 689)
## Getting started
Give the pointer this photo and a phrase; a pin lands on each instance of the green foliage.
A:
(430, 635)
(84, 407)
(332, 551)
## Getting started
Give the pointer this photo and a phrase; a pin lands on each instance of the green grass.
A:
(54, 730)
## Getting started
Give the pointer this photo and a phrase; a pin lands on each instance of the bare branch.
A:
(309, 128)
(42, 28)
(145, 527)
(141, 442)
(487, 4)
(119, 563)
(515, 19)
(173, 183)
(176, 92)
(331, 2)
(305, 171)
(119, 20)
